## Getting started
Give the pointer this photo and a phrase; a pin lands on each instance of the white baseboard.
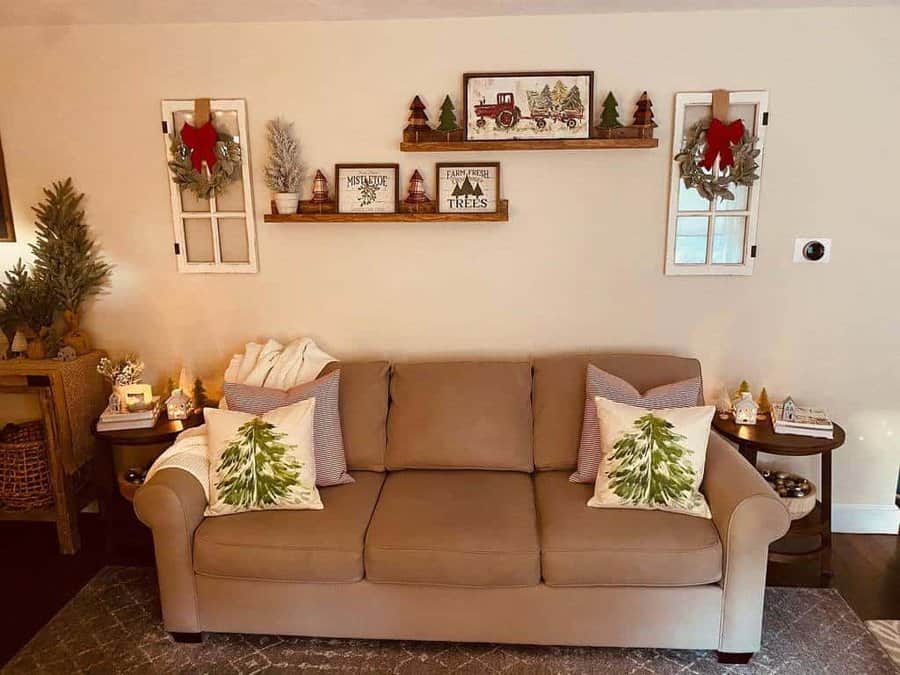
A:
(865, 518)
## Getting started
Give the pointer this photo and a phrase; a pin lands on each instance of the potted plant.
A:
(28, 307)
(284, 172)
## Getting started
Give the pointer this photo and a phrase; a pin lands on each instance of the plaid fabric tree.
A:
(652, 467)
(256, 468)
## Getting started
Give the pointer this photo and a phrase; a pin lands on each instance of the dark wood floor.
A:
(36, 580)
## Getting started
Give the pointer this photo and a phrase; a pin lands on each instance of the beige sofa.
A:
(462, 526)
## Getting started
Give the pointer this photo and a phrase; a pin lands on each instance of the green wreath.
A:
(205, 183)
(708, 185)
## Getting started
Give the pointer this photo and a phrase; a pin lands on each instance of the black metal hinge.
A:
(765, 122)
(165, 126)
(178, 248)
(752, 250)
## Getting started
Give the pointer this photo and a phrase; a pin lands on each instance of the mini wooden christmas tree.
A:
(418, 121)
(643, 116)
(609, 118)
(416, 189)
(320, 188)
(448, 117)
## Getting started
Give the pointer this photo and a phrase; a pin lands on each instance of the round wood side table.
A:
(752, 439)
(114, 492)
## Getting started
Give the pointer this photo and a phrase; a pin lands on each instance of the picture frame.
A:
(7, 230)
(467, 187)
(367, 188)
(528, 105)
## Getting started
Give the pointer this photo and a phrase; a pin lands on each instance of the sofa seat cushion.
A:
(582, 546)
(313, 546)
(455, 528)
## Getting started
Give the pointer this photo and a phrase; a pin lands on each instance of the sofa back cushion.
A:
(559, 390)
(363, 408)
(461, 415)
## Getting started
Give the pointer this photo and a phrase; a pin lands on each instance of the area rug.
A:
(888, 634)
(113, 626)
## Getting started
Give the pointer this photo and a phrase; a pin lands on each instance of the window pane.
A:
(198, 240)
(728, 240)
(191, 203)
(232, 198)
(739, 203)
(233, 240)
(690, 200)
(690, 240)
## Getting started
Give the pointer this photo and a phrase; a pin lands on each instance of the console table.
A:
(70, 393)
(752, 439)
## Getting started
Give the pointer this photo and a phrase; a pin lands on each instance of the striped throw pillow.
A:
(684, 394)
(328, 441)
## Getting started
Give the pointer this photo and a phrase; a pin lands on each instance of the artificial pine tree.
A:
(283, 171)
(256, 469)
(198, 394)
(765, 405)
(26, 301)
(448, 121)
(66, 257)
(609, 118)
(652, 467)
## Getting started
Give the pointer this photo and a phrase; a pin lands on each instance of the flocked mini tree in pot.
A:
(284, 172)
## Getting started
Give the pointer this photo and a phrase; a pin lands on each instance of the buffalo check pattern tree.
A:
(256, 468)
(652, 467)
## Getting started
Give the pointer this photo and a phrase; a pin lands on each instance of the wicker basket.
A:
(24, 467)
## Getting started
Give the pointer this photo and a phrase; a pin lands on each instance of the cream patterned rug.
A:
(113, 626)
(888, 634)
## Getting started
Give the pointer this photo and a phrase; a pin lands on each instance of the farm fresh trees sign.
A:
(532, 106)
(468, 187)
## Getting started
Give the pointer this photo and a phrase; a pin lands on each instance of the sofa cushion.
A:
(363, 408)
(455, 528)
(322, 546)
(460, 416)
(581, 546)
(559, 386)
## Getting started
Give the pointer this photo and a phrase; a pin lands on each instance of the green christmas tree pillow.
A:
(652, 459)
(259, 462)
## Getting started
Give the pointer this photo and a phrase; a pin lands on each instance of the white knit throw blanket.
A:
(271, 365)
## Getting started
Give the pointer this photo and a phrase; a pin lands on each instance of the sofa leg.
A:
(734, 657)
(187, 638)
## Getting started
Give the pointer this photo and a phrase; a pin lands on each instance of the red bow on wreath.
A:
(719, 139)
(202, 142)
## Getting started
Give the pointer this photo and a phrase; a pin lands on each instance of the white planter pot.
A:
(286, 202)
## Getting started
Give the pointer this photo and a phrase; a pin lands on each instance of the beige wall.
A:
(578, 265)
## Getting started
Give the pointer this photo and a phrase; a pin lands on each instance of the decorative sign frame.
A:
(367, 188)
(543, 105)
(7, 231)
(467, 187)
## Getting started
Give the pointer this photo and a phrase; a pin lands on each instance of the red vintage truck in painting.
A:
(507, 114)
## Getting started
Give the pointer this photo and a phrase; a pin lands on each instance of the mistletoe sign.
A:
(367, 188)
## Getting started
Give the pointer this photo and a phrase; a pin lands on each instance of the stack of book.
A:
(119, 421)
(807, 422)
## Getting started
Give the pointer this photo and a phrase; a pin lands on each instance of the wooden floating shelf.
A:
(502, 215)
(561, 144)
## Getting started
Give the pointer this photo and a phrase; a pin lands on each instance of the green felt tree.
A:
(198, 395)
(652, 467)
(256, 468)
(65, 255)
(448, 117)
(609, 118)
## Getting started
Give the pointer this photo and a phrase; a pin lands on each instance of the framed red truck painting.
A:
(528, 106)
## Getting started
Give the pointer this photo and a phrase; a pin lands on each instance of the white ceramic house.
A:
(745, 409)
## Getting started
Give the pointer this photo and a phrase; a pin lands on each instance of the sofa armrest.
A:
(749, 516)
(172, 505)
